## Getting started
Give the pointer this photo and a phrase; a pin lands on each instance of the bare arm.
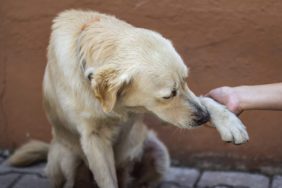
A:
(257, 97)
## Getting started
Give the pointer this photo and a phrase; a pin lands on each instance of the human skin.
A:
(255, 97)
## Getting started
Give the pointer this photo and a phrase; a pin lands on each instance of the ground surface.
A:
(34, 177)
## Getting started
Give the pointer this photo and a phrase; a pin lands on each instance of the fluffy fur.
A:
(102, 75)
(29, 153)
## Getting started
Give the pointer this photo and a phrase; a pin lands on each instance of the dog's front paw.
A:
(231, 129)
(229, 126)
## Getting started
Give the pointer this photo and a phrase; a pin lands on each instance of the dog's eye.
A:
(168, 97)
(90, 76)
(173, 94)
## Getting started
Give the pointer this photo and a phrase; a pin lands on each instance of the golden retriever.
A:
(102, 75)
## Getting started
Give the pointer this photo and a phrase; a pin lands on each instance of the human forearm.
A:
(260, 97)
(256, 97)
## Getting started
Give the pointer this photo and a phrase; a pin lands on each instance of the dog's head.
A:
(149, 76)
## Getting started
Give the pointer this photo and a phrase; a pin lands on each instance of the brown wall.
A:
(223, 42)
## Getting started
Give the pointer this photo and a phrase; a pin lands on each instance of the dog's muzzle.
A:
(202, 116)
(203, 119)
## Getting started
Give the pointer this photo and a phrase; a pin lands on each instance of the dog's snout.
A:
(201, 117)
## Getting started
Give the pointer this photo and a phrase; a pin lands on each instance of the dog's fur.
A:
(102, 75)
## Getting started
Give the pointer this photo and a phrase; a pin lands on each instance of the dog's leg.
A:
(100, 157)
(53, 168)
(229, 126)
(130, 142)
(62, 165)
(129, 148)
(141, 149)
(69, 166)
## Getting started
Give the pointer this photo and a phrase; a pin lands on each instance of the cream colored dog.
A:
(102, 75)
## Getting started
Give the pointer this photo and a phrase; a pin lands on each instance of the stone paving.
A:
(34, 177)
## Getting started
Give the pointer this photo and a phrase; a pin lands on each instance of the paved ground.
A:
(34, 177)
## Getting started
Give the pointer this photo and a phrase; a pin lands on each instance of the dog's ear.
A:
(107, 84)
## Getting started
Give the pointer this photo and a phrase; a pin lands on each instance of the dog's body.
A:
(78, 119)
(102, 75)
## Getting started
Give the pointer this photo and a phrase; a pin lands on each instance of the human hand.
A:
(228, 97)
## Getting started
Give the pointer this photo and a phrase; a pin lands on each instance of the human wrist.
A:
(243, 96)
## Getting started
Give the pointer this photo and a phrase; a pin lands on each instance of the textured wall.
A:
(223, 42)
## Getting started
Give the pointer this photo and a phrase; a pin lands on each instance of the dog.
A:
(102, 76)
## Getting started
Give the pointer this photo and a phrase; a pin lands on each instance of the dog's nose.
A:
(202, 117)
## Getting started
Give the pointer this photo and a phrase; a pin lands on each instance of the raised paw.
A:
(231, 129)
(229, 126)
